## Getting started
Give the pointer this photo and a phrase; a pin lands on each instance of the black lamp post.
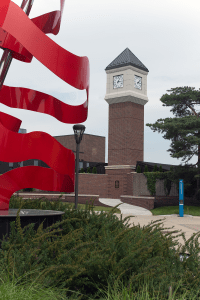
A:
(78, 134)
(18, 165)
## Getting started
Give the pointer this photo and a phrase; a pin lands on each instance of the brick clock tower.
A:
(126, 94)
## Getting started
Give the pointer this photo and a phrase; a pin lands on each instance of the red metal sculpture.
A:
(24, 38)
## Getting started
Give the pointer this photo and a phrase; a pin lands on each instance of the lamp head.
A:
(78, 132)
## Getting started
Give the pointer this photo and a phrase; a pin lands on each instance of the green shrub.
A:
(160, 169)
(146, 169)
(85, 252)
(28, 190)
(82, 171)
(88, 170)
(155, 168)
(138, 169)
(94, 170)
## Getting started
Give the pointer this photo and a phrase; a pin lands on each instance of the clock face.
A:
(118, 81)
(138, 82)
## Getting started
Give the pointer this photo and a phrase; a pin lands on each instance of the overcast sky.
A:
(165, 37)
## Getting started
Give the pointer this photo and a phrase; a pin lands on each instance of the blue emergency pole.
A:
(181, 198)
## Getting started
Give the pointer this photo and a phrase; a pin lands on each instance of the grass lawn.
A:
(170, 210)
(96, 208)
(166, 210)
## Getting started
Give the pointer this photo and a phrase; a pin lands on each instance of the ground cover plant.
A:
(87, 253)
(83, 206)
(169, 210)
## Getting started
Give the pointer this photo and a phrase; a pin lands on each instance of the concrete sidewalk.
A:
(126, 208)
(141, 216)
(188, 225)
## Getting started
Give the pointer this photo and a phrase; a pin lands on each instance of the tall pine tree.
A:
(184, 129)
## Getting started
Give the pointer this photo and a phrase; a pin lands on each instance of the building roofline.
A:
(83, 134)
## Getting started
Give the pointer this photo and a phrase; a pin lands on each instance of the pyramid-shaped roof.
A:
(126, 58)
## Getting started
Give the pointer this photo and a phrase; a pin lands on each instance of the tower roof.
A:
(126, 58)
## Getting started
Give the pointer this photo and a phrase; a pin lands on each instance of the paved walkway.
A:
(186, 224)
(141, 216)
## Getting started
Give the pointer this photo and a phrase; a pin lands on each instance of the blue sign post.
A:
(181, 198)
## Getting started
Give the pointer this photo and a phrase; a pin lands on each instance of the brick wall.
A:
(140, 186)
(103, 185)
(145, 202)
(158, 201)
(82, 199)
(174, 201)
(130, 183)
(93, 184)
(89, 184)
(160, 188)
(141, 201)
(119, 175)
(125, 133)
(93, 146)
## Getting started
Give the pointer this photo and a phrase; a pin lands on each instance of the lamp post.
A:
(18, 165)
(78, 134)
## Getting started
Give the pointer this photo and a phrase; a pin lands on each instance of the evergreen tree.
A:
(187, 173)
(155, 168)
(82, 170)
(184, 129)
(88, 170)
(160, 169)
(146, 169)
(138, 169)
(94, 170)
(28, 190)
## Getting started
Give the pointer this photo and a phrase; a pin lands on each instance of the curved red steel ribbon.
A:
(68, 60)
(50, 22)
(17, 97)
(43, 179)
(61, 160)
(69, 67)
(27, 38)
(10, 122)
(36, 144)
(47, 23)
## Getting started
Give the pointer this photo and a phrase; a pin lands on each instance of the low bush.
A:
(94, 170)
(138, 170)
(87, 251)
(155, 169)
(28, 190)
(88, 170)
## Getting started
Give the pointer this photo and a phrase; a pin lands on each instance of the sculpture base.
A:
(27, 216)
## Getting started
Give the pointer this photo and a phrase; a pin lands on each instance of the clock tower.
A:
(126, 94)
